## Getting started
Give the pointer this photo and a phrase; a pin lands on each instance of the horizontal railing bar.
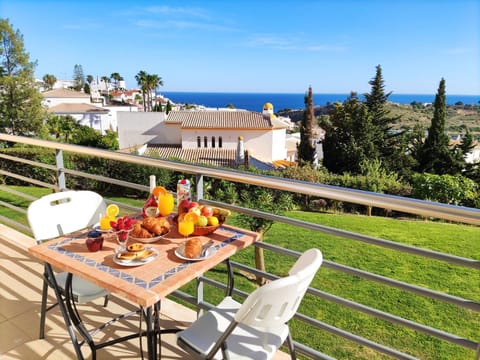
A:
(452, 259)
(465, 303)
(29, 162)
(107, 180)
(15, 224)
(29, 180)
(17, 193)
(13, 207)
(398, 203)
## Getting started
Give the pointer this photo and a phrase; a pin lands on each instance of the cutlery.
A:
(205, 248)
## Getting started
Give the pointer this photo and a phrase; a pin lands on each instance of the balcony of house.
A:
(427, 320)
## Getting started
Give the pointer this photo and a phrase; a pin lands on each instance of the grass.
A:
(459, 240)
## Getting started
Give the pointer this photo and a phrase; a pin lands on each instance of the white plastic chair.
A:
(258, 327)
(60, 214)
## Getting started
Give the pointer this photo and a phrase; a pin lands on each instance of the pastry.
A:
(193, 248)
(140, 232)
(127, 256)
(136, 247)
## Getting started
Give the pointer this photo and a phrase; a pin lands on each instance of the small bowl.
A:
(94, 244)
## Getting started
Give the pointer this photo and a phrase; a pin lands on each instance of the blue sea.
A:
(255, 101)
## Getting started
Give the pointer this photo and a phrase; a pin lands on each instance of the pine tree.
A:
(391, 148)
(435, 156)
(349, 139)
(306, 149)
(21, 111)
(78, 78)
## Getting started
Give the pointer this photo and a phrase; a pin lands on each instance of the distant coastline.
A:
(255, 101)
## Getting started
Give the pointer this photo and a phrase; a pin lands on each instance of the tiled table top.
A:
(148, 283)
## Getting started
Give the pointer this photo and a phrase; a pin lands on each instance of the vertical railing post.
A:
(60, 170)
(199, 186)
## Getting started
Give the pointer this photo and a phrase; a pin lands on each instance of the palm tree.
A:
(89, 79)
(116, 78)
(49, 81)
(141, 78)
(154, 81)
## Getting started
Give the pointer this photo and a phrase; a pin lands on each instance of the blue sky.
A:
(258, 46)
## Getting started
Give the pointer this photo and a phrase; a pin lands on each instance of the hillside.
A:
(457, 117)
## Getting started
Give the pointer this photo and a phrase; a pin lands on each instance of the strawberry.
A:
(120, 224)
(113, 225)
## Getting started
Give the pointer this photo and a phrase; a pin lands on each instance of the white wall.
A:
(113, 115)
(138, 128)
(279, 149)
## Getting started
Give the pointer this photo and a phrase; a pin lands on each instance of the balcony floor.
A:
(20, 299)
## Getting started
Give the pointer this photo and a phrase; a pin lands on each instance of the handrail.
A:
(398, 203)
(412, 206)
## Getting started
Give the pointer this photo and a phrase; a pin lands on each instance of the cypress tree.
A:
(435, 156)
(306, 149)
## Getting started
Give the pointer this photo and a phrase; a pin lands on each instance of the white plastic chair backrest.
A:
(61, 213)
(276, 302)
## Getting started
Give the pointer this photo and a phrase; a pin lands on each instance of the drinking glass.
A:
(165, 204)
(186, 227)
(122, 237)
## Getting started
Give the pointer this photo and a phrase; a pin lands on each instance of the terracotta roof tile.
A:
(74, 108)
(64, 93)
(207, 156)
(219, 120)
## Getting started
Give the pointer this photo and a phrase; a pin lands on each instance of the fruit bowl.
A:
(201, 230)
(205, 230)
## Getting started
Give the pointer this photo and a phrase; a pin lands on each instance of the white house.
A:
(206, 136)
(78, 105)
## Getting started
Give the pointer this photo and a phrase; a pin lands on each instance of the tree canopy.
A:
(21, 111)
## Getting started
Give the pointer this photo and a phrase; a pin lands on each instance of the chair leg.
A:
(43, 309)
(105, 302)
(291, 347)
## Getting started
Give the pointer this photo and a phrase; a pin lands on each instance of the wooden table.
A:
(145, 285)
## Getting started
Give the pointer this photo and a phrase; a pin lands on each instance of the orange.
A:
(157, 190)
(191, 216)
(112, 211)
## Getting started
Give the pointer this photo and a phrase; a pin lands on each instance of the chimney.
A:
(240, 152)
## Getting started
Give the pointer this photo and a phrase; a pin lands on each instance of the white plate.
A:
(149, 240)
(180, 252)
(135, 262)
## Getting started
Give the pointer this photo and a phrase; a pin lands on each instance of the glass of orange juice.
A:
(165, 204)
(186, 227)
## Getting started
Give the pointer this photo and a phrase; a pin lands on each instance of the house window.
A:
(219, 141)
(205, 141)
(199, 141)
(213, 141)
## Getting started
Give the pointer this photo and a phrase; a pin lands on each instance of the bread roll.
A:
(193, 248)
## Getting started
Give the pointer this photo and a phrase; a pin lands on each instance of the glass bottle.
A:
(150, 207)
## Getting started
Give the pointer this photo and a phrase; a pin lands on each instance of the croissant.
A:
(193, 248)
(140, 232)
(148, 223)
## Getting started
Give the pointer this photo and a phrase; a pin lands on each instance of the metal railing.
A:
(405, 205)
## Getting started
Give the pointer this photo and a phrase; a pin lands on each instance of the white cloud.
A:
(290, 43)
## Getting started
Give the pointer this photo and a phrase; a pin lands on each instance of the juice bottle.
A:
(183, 195)
(150, 208)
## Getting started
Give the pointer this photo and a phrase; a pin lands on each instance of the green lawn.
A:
(454, 239)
